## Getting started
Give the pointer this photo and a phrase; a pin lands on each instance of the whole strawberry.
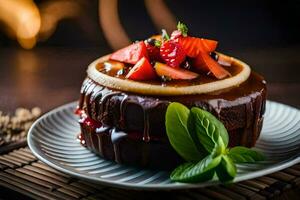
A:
(172, 53)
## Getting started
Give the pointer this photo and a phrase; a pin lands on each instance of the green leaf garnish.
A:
(245, 155)
(165, 35)
(178, 133)
(208, 129)
(202, 171)
(226, 170)
(202, 140)
(182, 28)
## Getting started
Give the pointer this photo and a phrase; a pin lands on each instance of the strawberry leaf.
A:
(182, 28)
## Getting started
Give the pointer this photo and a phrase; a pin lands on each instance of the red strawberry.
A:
(142, 70)
(173, 73)
(193, 46)
(205, 63)
(130, 54)
(172, 53)
(176, 34)
(181, 31)
(153, 49)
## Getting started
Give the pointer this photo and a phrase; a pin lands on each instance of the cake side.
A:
(129, 128)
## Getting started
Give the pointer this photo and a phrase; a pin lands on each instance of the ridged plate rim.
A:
(36, 150)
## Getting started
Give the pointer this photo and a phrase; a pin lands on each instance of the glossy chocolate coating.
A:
(131, 127)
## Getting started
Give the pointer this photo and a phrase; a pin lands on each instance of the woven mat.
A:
(20, 171)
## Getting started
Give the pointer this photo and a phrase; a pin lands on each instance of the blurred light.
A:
(54, 11)
(22, 20)
(27, 24)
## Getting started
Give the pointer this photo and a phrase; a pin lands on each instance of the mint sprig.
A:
(202, 140)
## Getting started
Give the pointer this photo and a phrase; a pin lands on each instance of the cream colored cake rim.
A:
(150, 89)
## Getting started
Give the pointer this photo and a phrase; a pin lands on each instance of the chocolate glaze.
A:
(130, 128)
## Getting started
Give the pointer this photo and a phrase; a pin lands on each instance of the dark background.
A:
(238, 25)
(265, 34)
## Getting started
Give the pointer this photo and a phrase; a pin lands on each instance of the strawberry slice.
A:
(130, 54)
(142, 70)
(173, 73)
(205, 63)
(193, 46)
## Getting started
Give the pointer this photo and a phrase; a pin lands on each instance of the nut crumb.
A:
(14, 128)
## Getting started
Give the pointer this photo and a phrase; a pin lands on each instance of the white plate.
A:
(52, 138)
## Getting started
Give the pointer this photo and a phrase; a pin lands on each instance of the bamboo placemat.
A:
(22, 172)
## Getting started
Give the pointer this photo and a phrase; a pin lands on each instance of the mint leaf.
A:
(178, 133)
(226, 170)
(196, 172)
(207, 129)
(197, 134)
(245, 155)
(182, 28)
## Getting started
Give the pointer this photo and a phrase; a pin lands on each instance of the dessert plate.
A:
(52, 139)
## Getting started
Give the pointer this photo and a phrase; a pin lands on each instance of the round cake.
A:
(122, 117)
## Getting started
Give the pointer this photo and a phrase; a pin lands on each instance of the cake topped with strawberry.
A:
(125, 96)
(178, 64)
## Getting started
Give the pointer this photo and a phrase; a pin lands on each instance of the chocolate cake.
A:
(129, 128)
(125, 96)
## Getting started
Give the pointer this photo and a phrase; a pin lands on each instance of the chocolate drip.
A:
(85, 84)
(96, 98)
(88, 100)
(100, 132)
(104, 105)
(149, 106)
(146, 135)
(122, 111)
(100, 145)
(116, 136)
